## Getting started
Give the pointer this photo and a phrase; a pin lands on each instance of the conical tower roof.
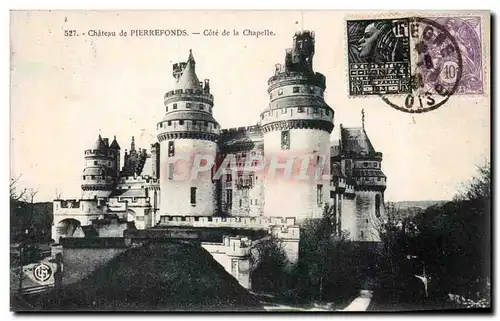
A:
(98, 144)
(114, 144)
(188, 79)
(355, 140)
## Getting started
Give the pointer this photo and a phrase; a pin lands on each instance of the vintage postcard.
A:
(250, 161)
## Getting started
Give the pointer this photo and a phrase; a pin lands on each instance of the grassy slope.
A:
(161, 277)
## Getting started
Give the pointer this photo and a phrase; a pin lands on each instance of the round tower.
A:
(115, 150)
(99, 172)
(188, 135)
(296, 127)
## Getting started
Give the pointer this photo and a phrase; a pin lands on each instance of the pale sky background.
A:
(65, 89)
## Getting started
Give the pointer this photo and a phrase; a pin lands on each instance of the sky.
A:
(65, 90)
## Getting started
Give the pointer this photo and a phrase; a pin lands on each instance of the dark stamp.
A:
(379, 56)
(467, 33)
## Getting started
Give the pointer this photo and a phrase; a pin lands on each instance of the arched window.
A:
(377, 205)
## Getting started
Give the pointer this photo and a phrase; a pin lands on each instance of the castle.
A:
(146, 192)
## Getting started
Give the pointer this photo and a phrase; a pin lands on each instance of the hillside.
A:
(36, 218)
(420, 204)
(156, 277)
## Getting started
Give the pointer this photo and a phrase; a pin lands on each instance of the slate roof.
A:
(367, 173)
(114, 144)
(188, 79)
(98, 144)
(136, 192)
(355, 140)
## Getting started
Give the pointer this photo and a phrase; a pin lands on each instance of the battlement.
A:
(139, 179)
(362, 156)
(79, 207)
(286, 232)
(349, 189)
(231, 245)
(249, 222)
(97, 180)
(281, 75)
(342, 185)
(251, 129)
(188, 93)
(251, 132)
(115, 204)
(97, 152)
(371, 183)
(71, 203)
(178, 68)
(304, 34)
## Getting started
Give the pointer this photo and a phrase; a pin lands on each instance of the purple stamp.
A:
(466, 31)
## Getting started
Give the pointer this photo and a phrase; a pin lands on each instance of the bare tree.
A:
(14, 194)
(58, 194)
(479, 186)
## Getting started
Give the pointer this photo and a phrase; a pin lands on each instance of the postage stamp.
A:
(416, 63)
(199, 160)
(467, 33)
(378, 56)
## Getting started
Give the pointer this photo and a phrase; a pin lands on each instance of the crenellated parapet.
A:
(234, 246)
(242, 139)
(237, 132)
(189, 95)
(233, 222)
(279, 125)
(286, 233)
(283, 78)
(70, 203)
(188, 134)
(80, 207)
(138, 179)
(296, 92)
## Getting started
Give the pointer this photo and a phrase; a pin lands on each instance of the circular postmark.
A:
(42, 272)
(436, 68)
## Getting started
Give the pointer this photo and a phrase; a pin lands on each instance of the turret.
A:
(188, 128)
(296, 124)
(115, 148)
(155, 157)
(98, 176)
(362, 165)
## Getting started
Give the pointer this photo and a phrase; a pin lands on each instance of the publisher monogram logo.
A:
(42, 272)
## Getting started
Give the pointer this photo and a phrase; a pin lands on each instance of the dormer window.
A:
(188, 105)
(202, 107)
(175, 106)
(295, 90)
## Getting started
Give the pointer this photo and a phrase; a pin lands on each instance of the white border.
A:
(199, 5)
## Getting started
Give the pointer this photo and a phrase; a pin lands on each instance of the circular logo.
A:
(42, 272)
